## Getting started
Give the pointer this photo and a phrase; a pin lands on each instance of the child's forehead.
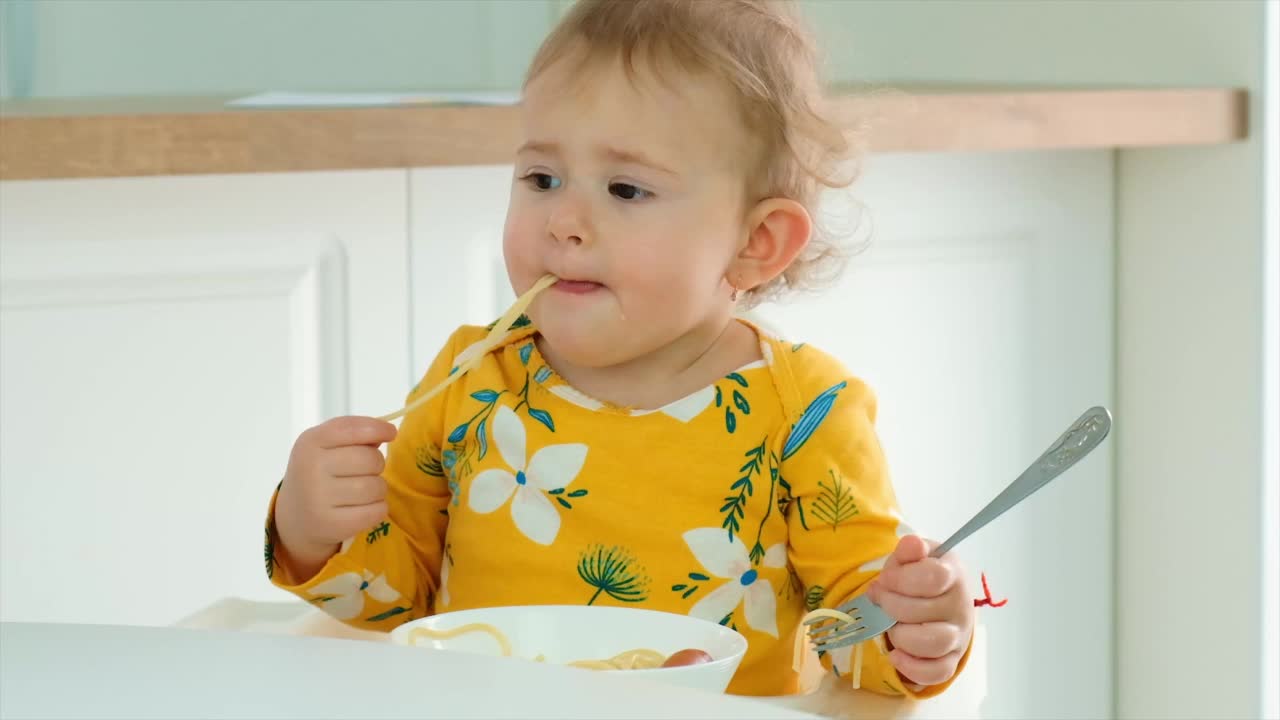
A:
(690, 115)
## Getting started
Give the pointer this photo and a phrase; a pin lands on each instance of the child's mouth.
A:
(577, 287)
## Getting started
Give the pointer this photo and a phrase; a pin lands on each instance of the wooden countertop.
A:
(83, 138)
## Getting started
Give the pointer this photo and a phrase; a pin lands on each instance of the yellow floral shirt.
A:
(747, 503)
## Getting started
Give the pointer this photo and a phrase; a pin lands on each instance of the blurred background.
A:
(179, 297)
(87, 48)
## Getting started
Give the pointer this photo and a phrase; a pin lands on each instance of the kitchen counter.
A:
(86, 138)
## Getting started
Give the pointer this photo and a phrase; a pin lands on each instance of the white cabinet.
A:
(162, 341)
(458, 275)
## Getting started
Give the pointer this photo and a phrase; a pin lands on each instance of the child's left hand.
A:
(928, 598)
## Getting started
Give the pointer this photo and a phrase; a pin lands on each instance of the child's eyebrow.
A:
(539, 146)
(635, 157)
(621, 155)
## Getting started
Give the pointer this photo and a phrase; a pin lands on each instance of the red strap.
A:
(987, 601)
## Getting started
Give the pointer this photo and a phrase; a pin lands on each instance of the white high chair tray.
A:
(833, 698)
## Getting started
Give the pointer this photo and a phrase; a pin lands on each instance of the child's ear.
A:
(777, 230)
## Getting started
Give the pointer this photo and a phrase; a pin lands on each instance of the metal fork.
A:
(869, 620)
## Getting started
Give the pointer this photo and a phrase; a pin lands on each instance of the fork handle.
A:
(1079, 440)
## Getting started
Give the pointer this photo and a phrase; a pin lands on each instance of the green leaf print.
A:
(456, 461)
(784, 497)
(793, 586)
(739, 402)
(428, 463)
(380, 531)
(459, 433)
(728, 622)
(269, 555)
(388, 614)
(810, 419)
(543, 417)
(734, 507)
(835, 502)
(540, 415)
(559, 495)
(522, 321)
(757, 551)
(483, 437)
(804, 523)
(614, 572)
(688, 589)
(814, 596)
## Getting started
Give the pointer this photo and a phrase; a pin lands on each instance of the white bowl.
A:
(566, 633)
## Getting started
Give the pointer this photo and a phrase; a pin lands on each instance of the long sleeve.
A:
(844, 519)
(389, 574)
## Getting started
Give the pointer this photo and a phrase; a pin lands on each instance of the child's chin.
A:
(581, 342)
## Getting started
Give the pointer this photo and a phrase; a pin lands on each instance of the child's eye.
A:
(542, 181)
(627, 191)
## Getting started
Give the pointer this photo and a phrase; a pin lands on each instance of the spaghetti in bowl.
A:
(606, 639)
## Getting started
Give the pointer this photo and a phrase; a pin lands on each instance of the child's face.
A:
(636, 191)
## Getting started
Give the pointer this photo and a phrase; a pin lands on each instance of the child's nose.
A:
(570, 222)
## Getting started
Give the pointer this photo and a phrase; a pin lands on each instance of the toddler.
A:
(631, 441)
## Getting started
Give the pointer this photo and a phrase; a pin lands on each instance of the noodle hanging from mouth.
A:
(491, 341)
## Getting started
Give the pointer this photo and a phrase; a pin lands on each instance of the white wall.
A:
(1271, 367)
(59, 48)
(1190, 371)
(68, 48)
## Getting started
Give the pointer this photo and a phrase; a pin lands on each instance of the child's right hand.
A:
(332, 490)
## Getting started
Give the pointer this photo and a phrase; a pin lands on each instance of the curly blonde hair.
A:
(764, 53)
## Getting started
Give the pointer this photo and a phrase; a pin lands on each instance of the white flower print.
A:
(348, 591)
(552, 467)
(728, 559)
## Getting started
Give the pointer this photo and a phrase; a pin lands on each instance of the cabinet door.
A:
(981, 313)
(163, 341)
(458, 273)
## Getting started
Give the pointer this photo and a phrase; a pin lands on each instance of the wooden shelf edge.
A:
(218, 141)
